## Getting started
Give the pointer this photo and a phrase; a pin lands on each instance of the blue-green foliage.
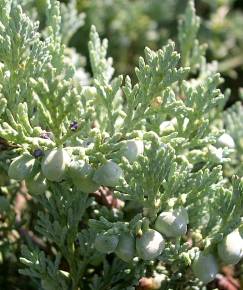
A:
(172, 107)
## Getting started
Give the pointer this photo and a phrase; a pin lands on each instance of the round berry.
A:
(132, 149)
(172, 223)
(108, 174)
(150, 245)
(226, 140)
(230, 249)
(55, 163)
(106, 243)
(38, 153)
(21, 167)
(126, 247)
(81, 174)
(205, 267)
(37, 184)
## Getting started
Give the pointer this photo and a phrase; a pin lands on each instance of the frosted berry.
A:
(150, 245)
(106, 243)
(230, 250)
(172, 223)
(126, 247)
(55, 163)
(21, 167)
(108, 174)
(205, 267)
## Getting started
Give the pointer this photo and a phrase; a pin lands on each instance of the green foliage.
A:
(173, 107)
(191, 52)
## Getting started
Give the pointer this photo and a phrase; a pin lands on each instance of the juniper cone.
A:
(122, 180)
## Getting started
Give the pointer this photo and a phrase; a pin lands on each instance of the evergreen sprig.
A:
(127, 177)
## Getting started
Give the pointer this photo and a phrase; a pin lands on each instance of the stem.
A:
(231, 63)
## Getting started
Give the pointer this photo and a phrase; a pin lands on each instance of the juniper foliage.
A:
(171, 108)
